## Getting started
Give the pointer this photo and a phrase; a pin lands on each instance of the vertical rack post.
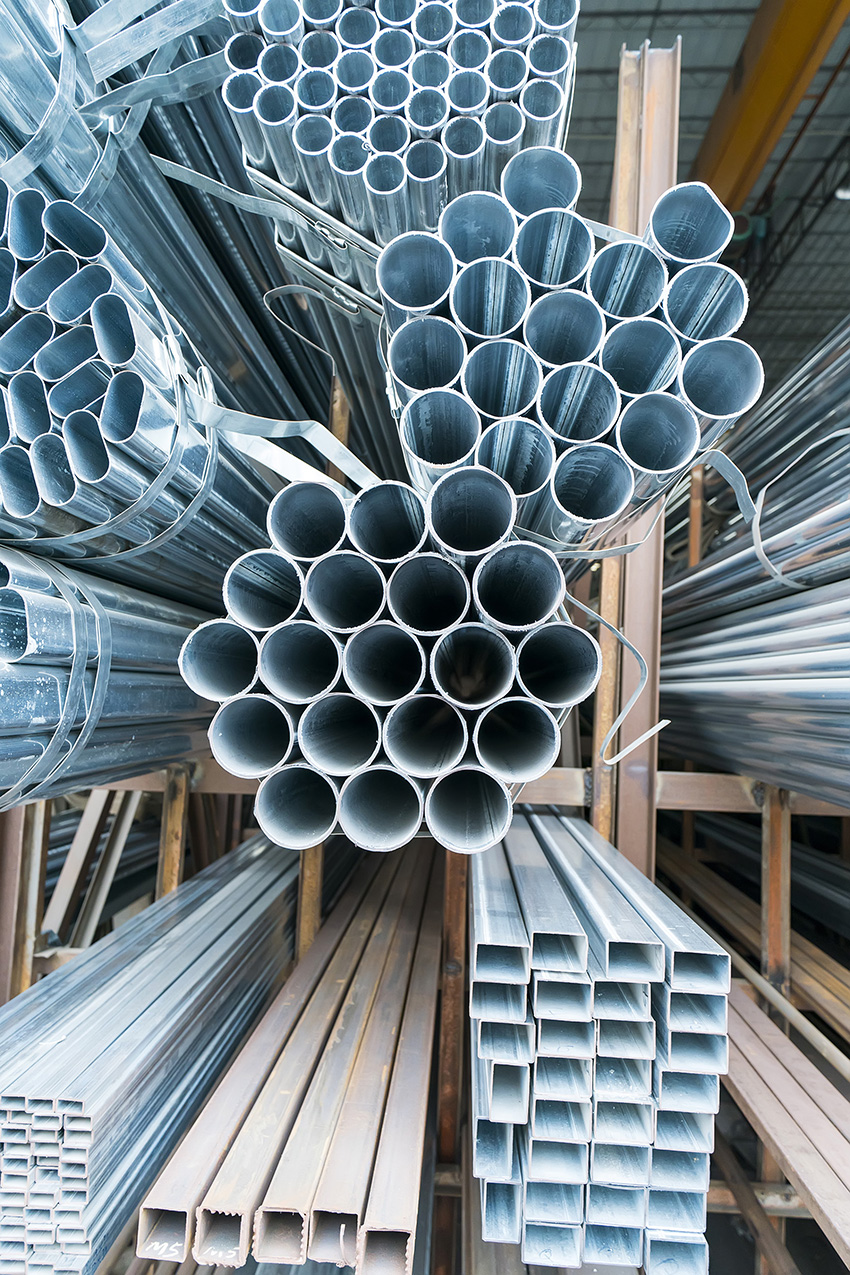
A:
(309, 897)
(172, 837)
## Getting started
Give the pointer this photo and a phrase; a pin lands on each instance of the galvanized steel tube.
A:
(251, 735)
(425, 354)
(477, 224)
(467, 810)
(296, 806)
(299, 661)
(428, 594)
(501, 378)
(470, 511)
(424, 736)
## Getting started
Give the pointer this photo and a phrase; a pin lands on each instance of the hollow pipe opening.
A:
(578, 403)
(471, 510)
(339, 733)
(473, 666)
(297, 807)
(251, 735)
(299, 661)
(344, 591)
(468, 810)
(387, 522)
(380, 809)
(477, 225)
(518, 586)
(306, 520)
(517, 740)
(428, 594)
(384, 663)
(501, 378)
(219, 659)
(558, 665)
(424, 736)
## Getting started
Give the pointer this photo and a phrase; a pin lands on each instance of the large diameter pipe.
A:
(339, 734)
(501, 378)
(476, 225)
(578, 403)
(356, 28)
(296, 806)
(659, 437)
(522, 453)
(354, 114)
(689, 224)
(469, 50)
(395, 13)
(415, 274)
(475, 14)
(251, 735)
(489, 298)
(384, 663)
(642, 355)
(315, 92)
(517, 740)
(242, 51)
(439, 430)
(387, 522)
(428, 594)
(627, 279)
(564, 327)
(307, 520)
(559, 665)
(591, 486)
(472, 666)
(425, 354)
(344, 591)
(433, 25)
(219, 660)
(430, 69)
(263, 589)
(518, 587)
(424, 736)
(720, 380)
(705, 301)
(541, 177)
(512, 26)
(299, 661)
(554, 248)
(393, 49)
(380, 809)
(470, 512)
(282, 21)
(468, 810)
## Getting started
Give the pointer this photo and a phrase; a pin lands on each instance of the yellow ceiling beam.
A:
(785, 47)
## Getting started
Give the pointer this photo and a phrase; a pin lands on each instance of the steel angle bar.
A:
(688, 1252)
(498, 1002)
(621, 1039)
(226, 1210)
(506, 1042)
(562, 997)
(622, 1078)
(684, 1131)
(625, 1123)
(501, 1212)
(341, 1194)
(281, 1221)
(550, 1160)
(558, 942)
(500, 946)
(565, 1079)
(613, 1165)
(566, 1039)
(508, 1091)
(695, 962)
(167, 1215)
(553, 1120)
(619, 1246)
(623, 943)
(679, 1170)
(676, 1210)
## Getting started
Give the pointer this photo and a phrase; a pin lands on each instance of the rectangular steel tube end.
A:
(707, 972)
(384, 1252)
(500, 963)
(664, 1248)
(280, 1236)
(333, 1237)
(221, 1239)
(636, 962)
(565, 953)
(613, 1245)
(545, 1245)
(163, 1234)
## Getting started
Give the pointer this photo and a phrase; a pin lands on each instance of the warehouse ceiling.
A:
(801, 288)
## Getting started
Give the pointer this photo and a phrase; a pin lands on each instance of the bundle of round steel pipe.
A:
(598, 1032)
(96, 415)
(367, 680)
(608, 370)
(157, 1008)
(295, 1157)
(91, 687)
(427, 76)
(205, 258)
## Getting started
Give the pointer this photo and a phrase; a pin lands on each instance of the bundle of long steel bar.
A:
(296, 1153)
(102, 453)
(135, 874)
(589, 380)
(598, 1017)
(66, 87)
(761, 689)
(820, 882)
(105, 1063)
(367, 682)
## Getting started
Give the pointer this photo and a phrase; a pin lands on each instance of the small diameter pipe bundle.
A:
(91, 691)
(598, 1034)
(103, 461)
(106, 1062)
(312, 1144)
(368, 680)
(589, 379)
(763, 690)
(379, 116)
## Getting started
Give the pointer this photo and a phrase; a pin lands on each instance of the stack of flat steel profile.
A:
(105, 1062)
(296, 1155)
(598, 1036)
